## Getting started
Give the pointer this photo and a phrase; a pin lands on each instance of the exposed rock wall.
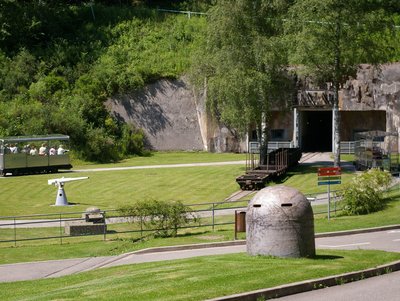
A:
(174, 118)
(375, 88)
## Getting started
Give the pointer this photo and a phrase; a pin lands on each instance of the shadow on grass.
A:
(297, 170)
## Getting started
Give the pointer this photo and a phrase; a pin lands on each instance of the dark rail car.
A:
(279, 161)
(34, 154)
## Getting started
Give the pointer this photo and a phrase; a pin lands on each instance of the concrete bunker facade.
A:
(368, 102)
(280, 222)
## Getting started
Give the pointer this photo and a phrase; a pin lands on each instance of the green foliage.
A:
(16, 73)
(243, 61)
(163, 217)
(364, 194)
(46, 88)
(132, 140)
(59, 64)
(100, 147)
(329, 39)
(61, 60)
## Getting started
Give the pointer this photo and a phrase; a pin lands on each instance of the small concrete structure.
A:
(78, 228)
(93, 224)
(94, 215)
(280, 222)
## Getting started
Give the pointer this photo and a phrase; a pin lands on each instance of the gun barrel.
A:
(64, 180)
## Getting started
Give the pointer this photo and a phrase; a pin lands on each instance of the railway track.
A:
(308, 157)
(236, 196)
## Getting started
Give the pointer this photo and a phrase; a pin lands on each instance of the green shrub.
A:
(100, 147)
(161, 216)
(132, 140)
(365, 193)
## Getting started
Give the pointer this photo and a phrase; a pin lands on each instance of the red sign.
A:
(329, 171)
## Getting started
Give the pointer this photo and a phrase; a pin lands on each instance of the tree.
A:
(243, 64)
(329, 39)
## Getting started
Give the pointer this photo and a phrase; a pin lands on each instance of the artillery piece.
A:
(61, 198)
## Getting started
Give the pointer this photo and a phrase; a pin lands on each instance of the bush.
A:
(132, 140)
(163, 217)
(365, 193)
(100, 147)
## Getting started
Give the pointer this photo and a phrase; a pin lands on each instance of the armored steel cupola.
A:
(280, 222)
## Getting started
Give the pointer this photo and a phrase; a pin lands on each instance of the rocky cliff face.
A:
(174, 118)
(375, 88)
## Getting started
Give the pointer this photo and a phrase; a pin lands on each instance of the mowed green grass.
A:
(109, 190)
(188, 279)
(389, 216)
(121, 243)
(193, 279)
(156, 158)
(304, 178)
(26, 195)
(106, 190)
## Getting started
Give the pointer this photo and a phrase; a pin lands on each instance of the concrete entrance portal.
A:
(316, 131)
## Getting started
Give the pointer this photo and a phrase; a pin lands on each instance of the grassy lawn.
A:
(120, 243)
(193, 279)
(94, 246)
(305, 179)
(160, 158)
(188, 279)
(389, 216)
(109, 190)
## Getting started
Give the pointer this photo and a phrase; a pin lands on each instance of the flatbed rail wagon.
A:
(279, 161)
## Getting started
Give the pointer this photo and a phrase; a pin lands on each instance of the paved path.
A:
(161, 166)
(382, 288)
(388, 240)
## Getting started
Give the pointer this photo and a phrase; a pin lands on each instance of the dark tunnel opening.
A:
(316, 131)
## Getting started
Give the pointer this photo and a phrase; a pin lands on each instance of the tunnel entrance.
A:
(316, 131)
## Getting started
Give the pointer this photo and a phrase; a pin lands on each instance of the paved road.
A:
(161, 166)
(382, 288)
(382, 240)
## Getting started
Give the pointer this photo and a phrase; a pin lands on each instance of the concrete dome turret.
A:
(280, 222)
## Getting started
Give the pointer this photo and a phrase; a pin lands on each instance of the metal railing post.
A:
(104, 226)
(335, 199)
(141, 227)
(60, 231)
(213, 216)
(15, 232)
